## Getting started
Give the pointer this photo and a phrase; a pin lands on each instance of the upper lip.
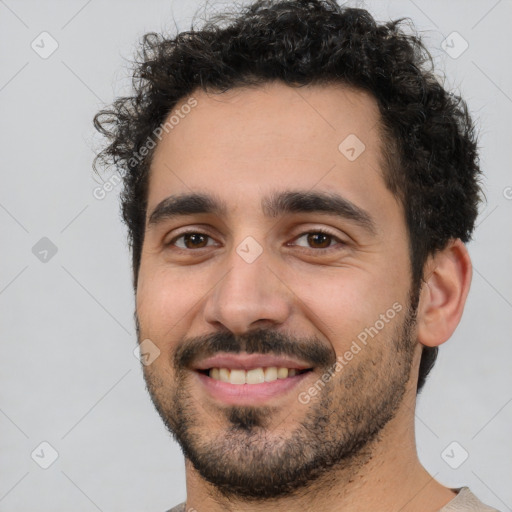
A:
(246, 361)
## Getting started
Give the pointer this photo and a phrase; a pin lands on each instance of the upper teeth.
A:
(254, 376)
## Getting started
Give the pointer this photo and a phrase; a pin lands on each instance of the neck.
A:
(386, 475)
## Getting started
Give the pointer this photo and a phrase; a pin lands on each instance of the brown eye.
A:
(191, 241)
(195, 240)
(319, 240)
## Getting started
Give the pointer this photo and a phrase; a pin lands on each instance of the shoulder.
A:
(466, 501)
(178, 508)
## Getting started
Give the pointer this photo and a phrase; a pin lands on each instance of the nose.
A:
(249, 296)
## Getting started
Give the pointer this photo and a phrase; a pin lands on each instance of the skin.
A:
(271, 139)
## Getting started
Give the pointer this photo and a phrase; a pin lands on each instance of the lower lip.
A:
(250, 394)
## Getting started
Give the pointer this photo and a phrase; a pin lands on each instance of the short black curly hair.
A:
(430, 151)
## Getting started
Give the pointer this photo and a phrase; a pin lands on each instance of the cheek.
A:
(165, 298)
(349, 305)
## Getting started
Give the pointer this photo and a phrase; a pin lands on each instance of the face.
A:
(275, 283)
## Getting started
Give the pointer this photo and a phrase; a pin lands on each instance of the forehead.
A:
(274, 136)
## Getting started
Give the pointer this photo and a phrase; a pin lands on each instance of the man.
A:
(298, 189)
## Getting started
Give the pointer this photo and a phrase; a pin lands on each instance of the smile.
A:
(250, 379)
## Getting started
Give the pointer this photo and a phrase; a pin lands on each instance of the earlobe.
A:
(443, 293)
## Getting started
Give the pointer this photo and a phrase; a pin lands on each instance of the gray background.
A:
(68, 373)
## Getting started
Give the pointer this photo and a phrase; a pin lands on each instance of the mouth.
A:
(250, 379)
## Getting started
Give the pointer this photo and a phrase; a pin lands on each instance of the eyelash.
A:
(321, 231)
(305, 233)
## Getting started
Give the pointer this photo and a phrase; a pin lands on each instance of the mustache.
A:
(261, 341)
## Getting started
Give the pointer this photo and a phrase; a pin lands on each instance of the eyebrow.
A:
(276, 205)
(318, 202)
(186, 204)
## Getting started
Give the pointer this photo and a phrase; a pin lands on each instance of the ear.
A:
(447, 278)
